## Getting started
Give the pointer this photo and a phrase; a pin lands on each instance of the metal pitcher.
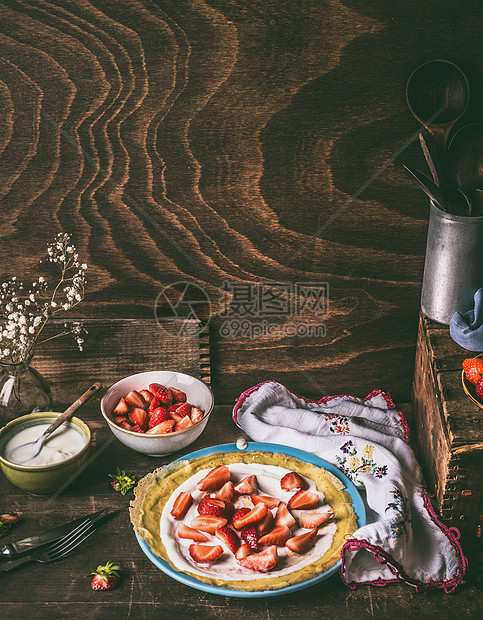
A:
(453, 269)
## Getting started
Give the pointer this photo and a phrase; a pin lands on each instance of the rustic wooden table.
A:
(61, 589)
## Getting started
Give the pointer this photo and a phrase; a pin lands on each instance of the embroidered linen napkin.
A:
(403, 539)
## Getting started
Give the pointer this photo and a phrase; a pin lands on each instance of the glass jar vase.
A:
(22, 390)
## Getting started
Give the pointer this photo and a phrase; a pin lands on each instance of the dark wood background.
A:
(208, 141)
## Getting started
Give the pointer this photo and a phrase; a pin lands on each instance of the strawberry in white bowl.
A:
(158, 412)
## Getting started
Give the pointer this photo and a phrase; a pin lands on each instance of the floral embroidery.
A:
(353, 465)
(403, 514)
(340, 425)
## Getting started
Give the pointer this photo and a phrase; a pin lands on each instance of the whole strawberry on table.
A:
(473, 369)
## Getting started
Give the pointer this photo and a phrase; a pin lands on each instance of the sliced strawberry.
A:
(196, 414)
(272, 502)
(247, 486)
(300, 543)
(229, 510)
(309, 520)
(121, 408)
(293, 482)
(181, 505)
(255, 515)
(184, 423)
(283, 516)
(157, 416)
(177, 418)
(134, 399)
(227, 491)
(303, 500)
(184, 409)
(172, 408)
(242, 552)
(147, 395)
(265, 525)
(208, 523)
(263, 561)
(211, 506)
(140, 417)
(137, 429)
(126, 426)
(185, 531)
(250, 537)
(244, 501)
(154, 404)
(118, 419)
(215, 479)
(241, 512)
(278, 536)
(202, 554)
(229, 537)
(178, 395)
(162, 393)
(160, 429)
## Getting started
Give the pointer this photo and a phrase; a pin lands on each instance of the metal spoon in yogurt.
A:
(30, 450)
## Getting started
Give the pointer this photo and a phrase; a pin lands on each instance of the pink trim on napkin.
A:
(380, 555)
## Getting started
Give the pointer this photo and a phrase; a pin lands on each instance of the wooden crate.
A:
(449, 429)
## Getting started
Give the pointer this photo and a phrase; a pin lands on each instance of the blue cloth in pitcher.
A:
(467, 329)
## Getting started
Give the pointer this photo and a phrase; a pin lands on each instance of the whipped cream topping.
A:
(226, 567)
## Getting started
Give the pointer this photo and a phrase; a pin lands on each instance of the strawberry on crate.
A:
(283, 516)
(302, 542)
(162, 393)
(134, 399)
(253, 516)
(162, 428)
(229, 537)
(181, 505)
(293, 482)
(263, 561)
(278, 536)
(187, 532)
(473, 367)
(207, 523)
(310, 519)
(303, 500)
(178, 395)
(247, 486)
(250, 537)
(140, 417)
(202, 554)
(215, 479)
(105, 577)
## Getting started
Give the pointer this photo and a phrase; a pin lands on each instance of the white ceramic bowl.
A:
(198, 394)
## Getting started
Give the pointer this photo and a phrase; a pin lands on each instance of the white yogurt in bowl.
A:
(64, 442)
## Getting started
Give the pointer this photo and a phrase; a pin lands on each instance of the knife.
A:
(32, 542)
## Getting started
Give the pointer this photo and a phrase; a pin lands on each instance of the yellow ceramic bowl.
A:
(44, 479)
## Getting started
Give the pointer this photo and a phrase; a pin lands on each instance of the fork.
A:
(56, 550)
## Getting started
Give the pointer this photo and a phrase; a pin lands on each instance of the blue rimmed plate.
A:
(357, 504)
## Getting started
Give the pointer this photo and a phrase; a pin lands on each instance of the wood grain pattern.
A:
(208, 141)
